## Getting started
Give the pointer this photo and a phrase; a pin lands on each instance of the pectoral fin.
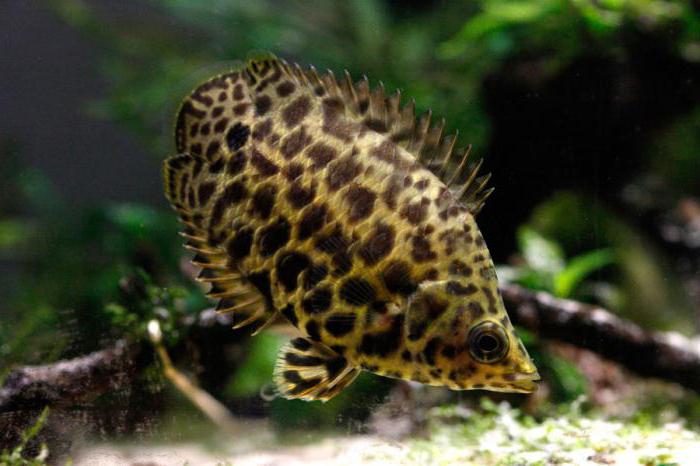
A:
(311, 371)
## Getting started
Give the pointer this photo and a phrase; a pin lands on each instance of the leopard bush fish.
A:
(328, 204)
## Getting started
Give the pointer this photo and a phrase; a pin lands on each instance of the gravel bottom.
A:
(455, 436)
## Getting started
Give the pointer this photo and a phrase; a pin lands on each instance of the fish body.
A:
(332, 205)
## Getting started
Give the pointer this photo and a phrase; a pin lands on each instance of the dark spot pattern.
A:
(291, 315)
(342, 172)
(318, 301)
(312, 220)
(233, 193)
(274, 237)
(340, 349)
(448, 351)
(237, 136)
(285, 88)
(238, 92)
(333, 124)
(262, 105)
(205, 192)
(312, 330)
(391, 193)
(384, 343)
(221, 125)
(434, 306)
(332, 242)
(302, 360)
(300, 196)
(296, 111)
(416, 329)
(301, 344)
(289, 266)
(357, 291)
(211, 151)
(360, 203)
(314, 275)
(415, 212)
(340, 323)
(475, 310)
(457, 267)
(491, 299)
(397, 278)
(429, 350)
(388, 152)
(262, 129)
(240, 109)
(421, 251)
(378, 245)
(335, 366)
(292, 376)
(294, 143)
(293, 171)
(457, 289)
(342, 263)
(196, 149)
(264, 200)
(320, 154)
(376, 125)
(261, 281)
(236, 163)
(305, 385)
(422, 184)
(264, 165)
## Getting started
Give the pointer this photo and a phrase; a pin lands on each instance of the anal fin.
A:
(310, 371)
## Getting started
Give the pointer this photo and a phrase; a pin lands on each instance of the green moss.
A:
(18, 456)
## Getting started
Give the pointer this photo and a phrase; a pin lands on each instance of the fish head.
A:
(462, 333)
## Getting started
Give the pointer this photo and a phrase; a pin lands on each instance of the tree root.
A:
(664, 355)
(668, 356)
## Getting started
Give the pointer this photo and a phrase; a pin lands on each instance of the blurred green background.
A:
(586, 112)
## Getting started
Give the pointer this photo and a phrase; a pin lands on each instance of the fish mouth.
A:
(525, 382)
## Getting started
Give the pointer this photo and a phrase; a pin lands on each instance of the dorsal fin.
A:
(421, 138)
(232, 290)
(424, 140)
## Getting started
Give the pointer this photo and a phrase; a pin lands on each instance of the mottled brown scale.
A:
(317, 202)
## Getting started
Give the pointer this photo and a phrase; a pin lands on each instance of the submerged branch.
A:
(668, 356)
(70, 381)
(82, 379)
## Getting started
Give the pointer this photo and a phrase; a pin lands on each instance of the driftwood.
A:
(83, 379)
(71, 381)
(666, 356)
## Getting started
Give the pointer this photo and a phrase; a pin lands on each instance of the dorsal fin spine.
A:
(460, 168)
(470, 178)
(349, 88)
(418, 135)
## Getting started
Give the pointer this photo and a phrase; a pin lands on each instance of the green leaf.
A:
(579, 268)
(542, 255)
(566, 377)
(256, 371)
(12, 233)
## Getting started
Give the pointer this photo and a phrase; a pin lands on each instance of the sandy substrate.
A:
(504, 441)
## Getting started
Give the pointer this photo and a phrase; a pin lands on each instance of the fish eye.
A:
(488, 343)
